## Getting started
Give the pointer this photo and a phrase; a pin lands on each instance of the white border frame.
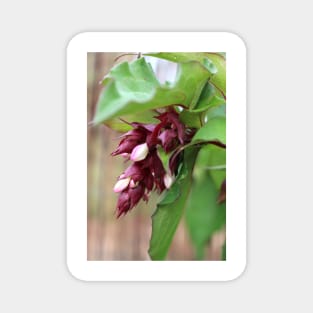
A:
(77, 262)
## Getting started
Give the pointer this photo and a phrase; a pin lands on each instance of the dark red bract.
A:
(147, 171)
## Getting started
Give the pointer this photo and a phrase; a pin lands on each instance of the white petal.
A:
(121, 184)
(132, 184)
(168, 181)
(139, 152)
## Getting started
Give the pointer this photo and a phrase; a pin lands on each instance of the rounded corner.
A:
(73, 273)
(238, 39)
(74, 39)
(238, 272)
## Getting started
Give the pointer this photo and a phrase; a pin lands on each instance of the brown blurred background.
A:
(126, 238)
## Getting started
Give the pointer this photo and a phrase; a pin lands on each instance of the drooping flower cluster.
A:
(147, 171)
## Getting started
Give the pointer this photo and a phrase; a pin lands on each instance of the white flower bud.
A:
(139, 152)
(121, 184)
(168, 181)
(132, 184)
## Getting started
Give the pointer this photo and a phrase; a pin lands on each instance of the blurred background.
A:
(126, 238)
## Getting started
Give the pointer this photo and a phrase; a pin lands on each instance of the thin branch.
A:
(125, 54)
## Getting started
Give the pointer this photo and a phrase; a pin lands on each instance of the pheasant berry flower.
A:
(147, 171)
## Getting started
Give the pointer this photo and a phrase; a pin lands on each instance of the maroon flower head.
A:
(169, 140)
(147, 171)
(123, 203)
(170, 120)
(130, 140)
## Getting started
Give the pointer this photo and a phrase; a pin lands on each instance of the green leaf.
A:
(119, 125)
(171, 195)
(190, 119)
(216, 111)
(217, 59)
(132, 88)
(209, 101)
(217, 157)
(169, 211)
(219, 80)
(212, 159)
(209, 65)
(203, 215)
(213, 130)
(209, 98)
